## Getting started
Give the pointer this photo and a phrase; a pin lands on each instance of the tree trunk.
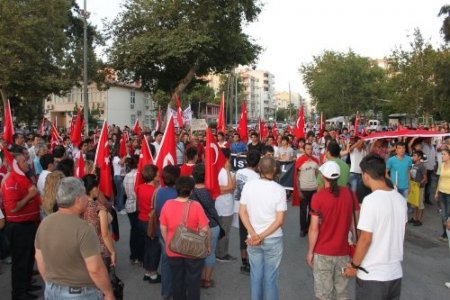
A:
(183, 83)
(4, 97)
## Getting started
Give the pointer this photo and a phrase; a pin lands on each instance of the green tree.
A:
(343, 83)
(412, 80)
(165, 44)
(445, 29)
(199, 95)
(40, 52)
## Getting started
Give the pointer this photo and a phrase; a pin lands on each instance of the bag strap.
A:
(204, 208)
(153, 201)
(186, 212)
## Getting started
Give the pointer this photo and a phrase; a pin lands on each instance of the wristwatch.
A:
(358, 267)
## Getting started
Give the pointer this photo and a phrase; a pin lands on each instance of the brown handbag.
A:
(152, 218)
(189, 242)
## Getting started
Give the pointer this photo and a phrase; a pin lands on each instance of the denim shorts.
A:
(55, 291)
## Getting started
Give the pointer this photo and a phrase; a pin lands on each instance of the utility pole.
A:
(85, 15)
(290, 103)
(236, 96)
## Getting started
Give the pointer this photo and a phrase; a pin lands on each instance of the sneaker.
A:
(154, 280)
(443, 239)
(417, 223)
(226, 258)
(411, 221)
(447, 284)
(245, 269)
(123, 212)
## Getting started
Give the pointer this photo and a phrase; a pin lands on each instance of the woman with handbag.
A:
(144, 197)
(98, 216)
(202, 195)
(180, 216)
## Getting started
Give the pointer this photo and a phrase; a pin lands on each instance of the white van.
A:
(373, 124)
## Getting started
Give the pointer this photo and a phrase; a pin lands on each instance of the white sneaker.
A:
(447, 284)
(123, 212)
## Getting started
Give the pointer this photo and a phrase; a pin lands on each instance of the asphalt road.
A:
(426, 266)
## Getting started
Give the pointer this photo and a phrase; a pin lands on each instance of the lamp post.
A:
(85, 15)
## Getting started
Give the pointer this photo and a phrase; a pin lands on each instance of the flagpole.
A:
(85, 72)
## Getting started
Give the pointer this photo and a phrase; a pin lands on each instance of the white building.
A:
(121, 104)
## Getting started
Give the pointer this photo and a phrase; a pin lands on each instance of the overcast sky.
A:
(293, 31)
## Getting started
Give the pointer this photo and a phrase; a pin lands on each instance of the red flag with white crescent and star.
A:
(79, 171)
(167, 153)
(299, 130)
(75, 134)
(214, 162)
(136, 128)
(242, 128)
(145, 158)
(275, 132)
(102, 161)
(8, 126)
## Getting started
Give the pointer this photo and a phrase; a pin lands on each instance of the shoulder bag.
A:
(189, 242)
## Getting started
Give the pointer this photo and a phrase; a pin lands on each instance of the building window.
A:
(147, 121)
(146, 99)
(132, 119)
(132, 97)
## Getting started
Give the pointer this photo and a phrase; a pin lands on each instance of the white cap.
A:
(330, 170)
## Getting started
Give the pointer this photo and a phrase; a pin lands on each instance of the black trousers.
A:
(378, 290)
(152, 249)
(22, 254)
(305, 204)
(428, 186)
(186, 275)
(136, 247)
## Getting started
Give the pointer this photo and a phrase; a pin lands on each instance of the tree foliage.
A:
(343, 83)
(445, 29)
(166, 43)
(40, 52)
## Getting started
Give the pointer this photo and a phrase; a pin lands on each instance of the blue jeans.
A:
(136, 247)
(264, 263)
(166, 274)
(403, 192)
(354, 181)
(210, 260)
(118, 182)
(444, 200)
(55, 291)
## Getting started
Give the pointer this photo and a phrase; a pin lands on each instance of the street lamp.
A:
(85, 16)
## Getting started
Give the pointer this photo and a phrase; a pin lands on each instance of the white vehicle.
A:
(373, 125)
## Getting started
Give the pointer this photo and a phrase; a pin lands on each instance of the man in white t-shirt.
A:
(157, 142)
(262, 210)
(357, 152)
(379, 251)
(225, 208)
(48, 165)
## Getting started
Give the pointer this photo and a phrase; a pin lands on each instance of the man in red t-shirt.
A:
(21, 201)
(331, 220)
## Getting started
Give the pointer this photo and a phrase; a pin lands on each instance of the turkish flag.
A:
(214, 162)
(79, 167)
(263, 131)
(145, 158)
(289, 129)
(299, 130)
(8, 158)
(136, 128)
(75, 135)
(275, 132)
(158, 121)
(55, 138)
(123, 145)
(167, 153)
(322, 125)
(242, 128)
(42, 127)
(102, 161)
(8, 126)
(221, 118)
(179, 113)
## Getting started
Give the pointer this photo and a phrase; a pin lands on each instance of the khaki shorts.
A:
(328, 280)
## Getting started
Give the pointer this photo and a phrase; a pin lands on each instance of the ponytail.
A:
(334, 187)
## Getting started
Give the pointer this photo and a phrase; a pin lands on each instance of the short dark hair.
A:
(310, 133)
(59, 151)
(66, 166)
(226, 152)
(285, 138)
(334, 149)
(400, 144)
(158, 133)
(419, 153)
(374, 165)
(253, 134)
(267, 149)
(184, 186)
(191, 152)
(132, 161)
(199, 173)
(253, 158)
(90, 182)
(170, 175)
(149, 173)
(221, 133)
(46, 160)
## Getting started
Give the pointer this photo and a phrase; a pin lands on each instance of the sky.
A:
(293, 31)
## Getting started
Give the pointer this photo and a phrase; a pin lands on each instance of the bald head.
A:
(267, 166)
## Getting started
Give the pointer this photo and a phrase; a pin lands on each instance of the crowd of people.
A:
(351, 192)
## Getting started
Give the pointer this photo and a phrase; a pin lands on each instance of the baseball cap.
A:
(330, 170)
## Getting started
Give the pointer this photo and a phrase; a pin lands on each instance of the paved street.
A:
(426, 266)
